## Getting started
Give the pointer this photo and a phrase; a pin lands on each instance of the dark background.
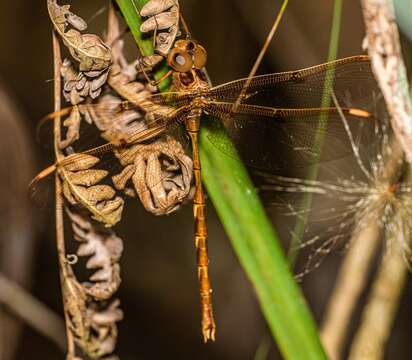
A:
(159, 291)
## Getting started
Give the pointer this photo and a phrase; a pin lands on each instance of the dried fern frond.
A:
(80, 186)
(92, 54)
(163, 19)
(161, 174)
(92, 315)
(79, 85)
(103, 249)
(89, 50)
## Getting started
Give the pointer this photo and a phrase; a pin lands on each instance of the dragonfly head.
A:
(187, 55)
(187, 59)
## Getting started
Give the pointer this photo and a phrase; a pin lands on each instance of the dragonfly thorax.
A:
(199, 102)
(190, 82)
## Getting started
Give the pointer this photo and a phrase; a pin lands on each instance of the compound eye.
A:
(199, 56)
(180, 61)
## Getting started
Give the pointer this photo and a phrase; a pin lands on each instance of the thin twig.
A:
(32, 311)
(384, 49)
(59, 192)
(381, 309)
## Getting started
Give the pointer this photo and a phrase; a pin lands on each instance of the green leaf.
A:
(258, 249)
(130, 10)
(253, 239)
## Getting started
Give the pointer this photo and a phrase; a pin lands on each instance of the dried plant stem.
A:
(381, 309)
(384, 49)
(32, 311)
(349, 286)
(354, 270)
(59, 192)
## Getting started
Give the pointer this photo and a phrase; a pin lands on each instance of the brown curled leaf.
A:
(161, 174)
(83, 162)
(103, 323)
(94, 337)
(133, 91)
(155, 7)
(150, 61)
(164, 21)
(92, 318)
(92, 54)
(115, 125)
(79, 85)
(80, 186)
(89, 50)
(103, 250)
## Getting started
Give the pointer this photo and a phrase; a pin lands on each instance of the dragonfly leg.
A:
(150, 81)
(199, 208)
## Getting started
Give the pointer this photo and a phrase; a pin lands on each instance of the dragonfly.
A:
(269, 118)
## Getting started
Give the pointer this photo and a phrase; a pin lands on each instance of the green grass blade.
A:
(306, 201)
(130, 10)
(258, 249)
(257, 246)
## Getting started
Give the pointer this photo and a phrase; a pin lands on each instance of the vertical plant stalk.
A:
(350, 283)
(257, 247)
(260, 254)
(379, 314)
(306, 202)
(354, 270)
(61, 251)
(387, 64)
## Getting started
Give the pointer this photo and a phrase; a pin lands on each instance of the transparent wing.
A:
(285, 119)
(351, 80)
(274, 140)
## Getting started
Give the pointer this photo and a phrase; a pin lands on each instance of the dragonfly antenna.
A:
(185, 26)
